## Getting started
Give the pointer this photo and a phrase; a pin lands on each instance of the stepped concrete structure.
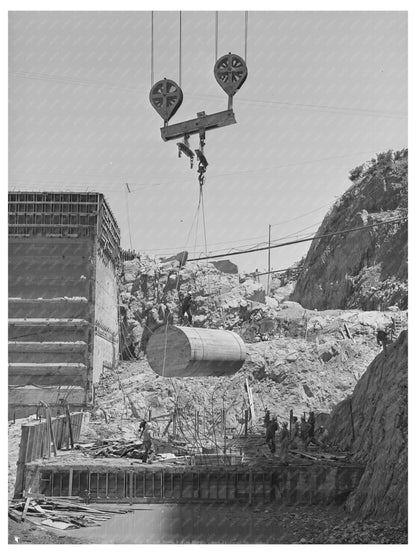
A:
(64, 251)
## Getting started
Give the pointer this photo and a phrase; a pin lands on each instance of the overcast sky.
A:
(325, 92)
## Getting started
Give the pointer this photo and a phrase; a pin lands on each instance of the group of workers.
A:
(161, 315)
(303, 431)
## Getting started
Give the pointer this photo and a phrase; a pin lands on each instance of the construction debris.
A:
(135, 450)
(61, 513)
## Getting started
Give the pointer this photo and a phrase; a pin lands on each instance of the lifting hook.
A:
(202, 161)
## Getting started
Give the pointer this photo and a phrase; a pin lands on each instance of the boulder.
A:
(225, 266)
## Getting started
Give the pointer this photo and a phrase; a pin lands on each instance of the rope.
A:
(197, 219)
(152, 63)
(203, 220)
(180, 49)
(205, 236)
(164, 352)
(245, 36)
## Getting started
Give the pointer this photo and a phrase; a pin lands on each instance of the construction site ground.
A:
(246, 524)
(203, 523)
(284, 373)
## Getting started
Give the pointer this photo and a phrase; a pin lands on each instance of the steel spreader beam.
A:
(204, 122)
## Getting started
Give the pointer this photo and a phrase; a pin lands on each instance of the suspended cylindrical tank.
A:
(180, 352)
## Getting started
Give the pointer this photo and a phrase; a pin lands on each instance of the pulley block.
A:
(184, 148)
(166, 98)
(230, 72)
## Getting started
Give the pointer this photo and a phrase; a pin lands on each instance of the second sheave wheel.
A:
(230, 72)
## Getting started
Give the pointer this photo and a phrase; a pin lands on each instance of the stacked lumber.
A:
(109, 448)
(115, 449)
(62, 513)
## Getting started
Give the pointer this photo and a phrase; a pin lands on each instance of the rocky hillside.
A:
(373, 422)
(366, 269)
(297, 359)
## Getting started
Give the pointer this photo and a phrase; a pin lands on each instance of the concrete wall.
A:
(50, 307)
(62, 297)
(106, 342)
(57, 288)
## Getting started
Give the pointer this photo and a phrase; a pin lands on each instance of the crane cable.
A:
(195, 218)
(152, 58)
(216, 38)
(245, 35)
(152, 53)
(180, 49)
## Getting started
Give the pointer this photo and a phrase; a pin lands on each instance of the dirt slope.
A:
(365, 269)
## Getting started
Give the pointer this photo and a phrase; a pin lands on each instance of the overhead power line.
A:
(312, 238)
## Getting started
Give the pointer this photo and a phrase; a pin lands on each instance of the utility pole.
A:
(268, 261)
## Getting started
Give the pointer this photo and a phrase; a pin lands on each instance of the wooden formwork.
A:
(297, 484)
(35, 442)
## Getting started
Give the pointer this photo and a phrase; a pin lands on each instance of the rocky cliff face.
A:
(373, 422)
(365, 269)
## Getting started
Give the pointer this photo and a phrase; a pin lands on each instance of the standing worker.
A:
(295, 429)
(270, 435)
(142, 427)
(266, 419)
(311, 422)
(186, 308)
(284, 443)
(147, 443)
(154, 319)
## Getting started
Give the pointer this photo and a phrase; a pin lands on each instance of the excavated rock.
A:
(220, 300)
(373, 422)
(365, 269)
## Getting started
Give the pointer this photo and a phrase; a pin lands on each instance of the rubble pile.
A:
(315, 364)
(220, 300)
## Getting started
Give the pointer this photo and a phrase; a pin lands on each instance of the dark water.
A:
(182, 524)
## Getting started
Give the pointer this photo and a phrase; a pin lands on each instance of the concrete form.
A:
(64, 249)
(124, 481)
